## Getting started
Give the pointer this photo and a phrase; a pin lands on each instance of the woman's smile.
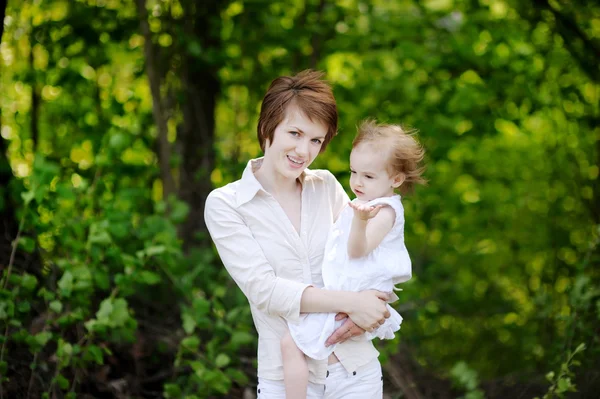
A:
(295, 163)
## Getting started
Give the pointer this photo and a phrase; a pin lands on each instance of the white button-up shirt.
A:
(273, 264)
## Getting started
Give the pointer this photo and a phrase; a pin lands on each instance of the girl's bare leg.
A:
(295, 369)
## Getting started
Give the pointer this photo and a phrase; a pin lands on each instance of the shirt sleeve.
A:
(244, 260)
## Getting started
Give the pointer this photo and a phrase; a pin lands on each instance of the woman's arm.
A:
(367, 309)
(243, 258)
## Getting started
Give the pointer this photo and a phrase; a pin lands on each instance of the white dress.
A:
(383, 268)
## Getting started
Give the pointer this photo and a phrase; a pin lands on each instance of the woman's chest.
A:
(293, 252)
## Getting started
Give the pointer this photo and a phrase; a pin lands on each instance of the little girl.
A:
(365, 249)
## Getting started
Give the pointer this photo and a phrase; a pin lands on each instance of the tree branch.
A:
(164, 147)
(567, 28)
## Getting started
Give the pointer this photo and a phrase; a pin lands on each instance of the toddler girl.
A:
(365, 249)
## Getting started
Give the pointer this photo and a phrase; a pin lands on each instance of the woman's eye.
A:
(353, 172)
(294, 133)
(369, 177)
(317, 141)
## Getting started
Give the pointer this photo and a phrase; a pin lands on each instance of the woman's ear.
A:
(398, 180)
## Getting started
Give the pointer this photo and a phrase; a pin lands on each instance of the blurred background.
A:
(118, 117)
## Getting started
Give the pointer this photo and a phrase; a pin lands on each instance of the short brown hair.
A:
(405, 152)
(309, 92)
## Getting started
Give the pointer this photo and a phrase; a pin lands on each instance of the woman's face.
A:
(296, 143)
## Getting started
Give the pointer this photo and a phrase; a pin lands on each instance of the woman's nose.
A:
(302, 147)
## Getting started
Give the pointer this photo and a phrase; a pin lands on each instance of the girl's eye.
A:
(369, 177)
(294, 133)
(317, 141)
(353, 172)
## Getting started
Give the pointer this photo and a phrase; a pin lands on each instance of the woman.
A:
(270, 229)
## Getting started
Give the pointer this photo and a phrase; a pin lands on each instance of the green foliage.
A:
(504, 240)
(561, 383)
(466, 378)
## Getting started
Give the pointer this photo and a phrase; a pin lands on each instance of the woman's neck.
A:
(273, 182)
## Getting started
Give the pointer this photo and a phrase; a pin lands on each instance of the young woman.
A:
(270, 229)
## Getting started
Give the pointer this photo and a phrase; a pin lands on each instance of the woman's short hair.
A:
(405, 154)
(310, 93)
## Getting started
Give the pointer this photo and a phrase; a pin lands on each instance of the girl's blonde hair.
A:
(405, 154)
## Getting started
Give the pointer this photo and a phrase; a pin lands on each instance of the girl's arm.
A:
(369, 226)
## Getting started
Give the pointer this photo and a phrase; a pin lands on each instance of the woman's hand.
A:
(346, 331)
(369, 310)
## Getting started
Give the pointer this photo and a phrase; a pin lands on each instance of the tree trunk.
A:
(3, 4)
(164, 147)
(8, 221)
(201, 89)
(35, 101)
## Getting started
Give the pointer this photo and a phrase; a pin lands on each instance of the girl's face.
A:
(369, 177)
(296, 143)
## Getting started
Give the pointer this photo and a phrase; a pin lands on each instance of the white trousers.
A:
(365, 383)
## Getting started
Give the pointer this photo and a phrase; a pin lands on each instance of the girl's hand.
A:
(365, 212)
(370, 309)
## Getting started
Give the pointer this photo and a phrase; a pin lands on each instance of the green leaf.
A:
(222, 360)
(66, 284)
(172, 391)
(94, 353)
(43, 338)
(217, 381)
(56, 306)
(155, 250)
(62, 382)
(28, 196)
(99, 234)
(7, 309)
(195, 48)
(179, 211)
(240, 338)
(28, 282)
(120, 314)
(23, 307)
(580, 348)
(149, 278)
(236, 375)
(101, 279)
(45, 294)
(190, 343)
(198, 367)
(105, 311)
(27, 243)
(563, 384)
(189, 323)
(201, 306)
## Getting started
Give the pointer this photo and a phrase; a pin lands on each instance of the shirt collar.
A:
(249, 185)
